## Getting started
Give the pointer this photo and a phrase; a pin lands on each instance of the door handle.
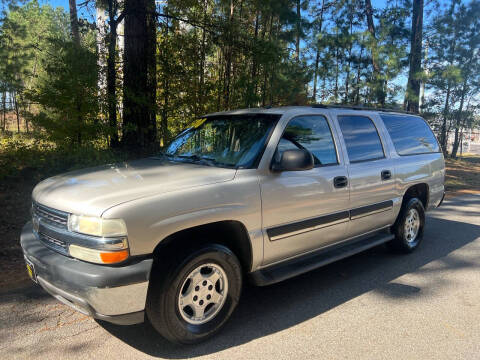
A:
(340, 181)
(386, 174)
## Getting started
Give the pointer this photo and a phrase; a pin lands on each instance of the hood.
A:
(92, 191)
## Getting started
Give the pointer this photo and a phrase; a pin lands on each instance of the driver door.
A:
(305, 210)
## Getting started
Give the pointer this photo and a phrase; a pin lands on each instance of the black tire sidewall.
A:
(162, 309)
(399, 227)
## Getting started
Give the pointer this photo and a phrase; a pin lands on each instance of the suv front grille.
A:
(51, 219)
(51, 216)
(55, 244)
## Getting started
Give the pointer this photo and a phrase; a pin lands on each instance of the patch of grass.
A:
(463, 174)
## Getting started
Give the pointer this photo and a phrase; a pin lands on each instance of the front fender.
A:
(150, 220)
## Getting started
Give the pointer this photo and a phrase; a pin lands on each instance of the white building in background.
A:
(469, 137)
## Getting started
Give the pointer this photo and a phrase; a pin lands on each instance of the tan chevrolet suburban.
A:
(264, 194)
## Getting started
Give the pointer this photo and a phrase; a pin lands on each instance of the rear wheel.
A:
(408, 227)
(192, 300)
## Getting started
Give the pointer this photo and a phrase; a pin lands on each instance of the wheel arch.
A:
(420, 191)
(231, 233)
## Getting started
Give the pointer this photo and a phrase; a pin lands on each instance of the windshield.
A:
(227, 141)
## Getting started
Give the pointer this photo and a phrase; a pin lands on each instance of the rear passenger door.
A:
(371, 173)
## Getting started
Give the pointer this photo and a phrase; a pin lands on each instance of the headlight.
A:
(109, 245)
(97, 226)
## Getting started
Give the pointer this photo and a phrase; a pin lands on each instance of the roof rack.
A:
(360, 107)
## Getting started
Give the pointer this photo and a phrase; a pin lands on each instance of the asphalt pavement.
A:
(375, 305)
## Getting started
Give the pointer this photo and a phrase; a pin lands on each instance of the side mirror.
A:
(294, 160)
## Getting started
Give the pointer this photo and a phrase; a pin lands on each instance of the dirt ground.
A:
(15, 202)
(463, 176)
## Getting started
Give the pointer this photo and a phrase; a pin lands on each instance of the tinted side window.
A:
(410, 134)
(361, 138)
(311, 133)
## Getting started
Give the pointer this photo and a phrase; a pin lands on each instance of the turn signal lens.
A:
(98, 256)
(113, 257)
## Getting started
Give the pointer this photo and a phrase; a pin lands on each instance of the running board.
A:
(305, 263)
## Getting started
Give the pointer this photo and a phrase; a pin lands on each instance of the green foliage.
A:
(24, 36)
(31, 157)
(454, 70)
(66, 93)
(227, 54)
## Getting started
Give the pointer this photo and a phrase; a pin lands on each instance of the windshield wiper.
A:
(204, 160)
(196, 158)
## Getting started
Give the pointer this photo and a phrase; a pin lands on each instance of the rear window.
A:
(410, 134)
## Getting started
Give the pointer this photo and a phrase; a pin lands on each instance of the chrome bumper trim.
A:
(105, 301)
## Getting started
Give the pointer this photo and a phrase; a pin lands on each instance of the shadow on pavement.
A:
(267, 310)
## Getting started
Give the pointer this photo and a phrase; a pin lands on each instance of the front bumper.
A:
(112, 293)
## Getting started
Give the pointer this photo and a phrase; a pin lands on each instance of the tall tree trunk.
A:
(4, 110)
(298, 30)
(377, 81)
(265, 68)
(422, 82)
(25, 119)
(252, 91)
(317, 53)
(228, 58)
(139, 85)
(201, 89)
(76, 40)
(349, 62)
(371, 30)
(220, 79)
(15, 101)
(459, 124)
(335, 91)
(315, 74)
(112, 74)
(357, 81)
(74, 21)
(166, 85)
(446, 108)
(413, 85)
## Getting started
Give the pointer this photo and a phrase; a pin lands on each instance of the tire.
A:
(176, 290)
(408, 228)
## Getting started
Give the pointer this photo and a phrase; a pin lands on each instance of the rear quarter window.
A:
(411, 135)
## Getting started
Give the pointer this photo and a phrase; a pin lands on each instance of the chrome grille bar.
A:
(52, 216)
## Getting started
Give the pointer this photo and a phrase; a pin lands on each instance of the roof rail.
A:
(360, 107)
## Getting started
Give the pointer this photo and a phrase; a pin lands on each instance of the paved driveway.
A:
(372, 306)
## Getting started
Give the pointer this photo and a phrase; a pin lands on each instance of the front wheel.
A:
(408, 227)
(191, 301)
